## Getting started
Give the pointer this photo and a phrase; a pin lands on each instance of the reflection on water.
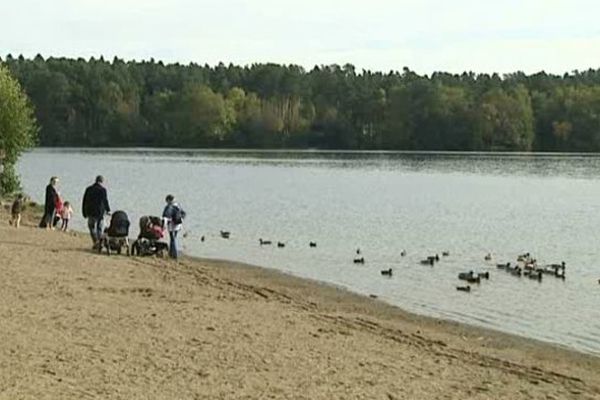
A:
(382, 202)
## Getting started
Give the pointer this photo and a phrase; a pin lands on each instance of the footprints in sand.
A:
(144, 292)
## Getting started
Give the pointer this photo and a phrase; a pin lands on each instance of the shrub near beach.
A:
(18, 129)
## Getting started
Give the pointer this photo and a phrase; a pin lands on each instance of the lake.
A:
(382, 203)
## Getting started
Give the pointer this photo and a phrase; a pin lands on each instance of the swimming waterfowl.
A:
(225, 234)
(463, 288)
(358, 251)
(434, 258)
(403, 253)
(202, 238)
(429, 261)
(445, 253)
(387, 272)
(472, 277)
(516, 271)
(523, 257)
(312, 244)
(264, 242)
(359, 260)
(562, 266)
(503, 266)
(465, 275)
(280, 244)
(487, 257)
(534, 275)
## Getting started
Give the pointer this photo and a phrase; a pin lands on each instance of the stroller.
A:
(116, 236)
(148, 242)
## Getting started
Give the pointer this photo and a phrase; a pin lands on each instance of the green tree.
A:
(17, 129)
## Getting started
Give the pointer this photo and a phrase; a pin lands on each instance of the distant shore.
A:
(76, 324)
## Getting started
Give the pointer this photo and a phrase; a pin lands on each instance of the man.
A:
(174, 215)
(95, 206)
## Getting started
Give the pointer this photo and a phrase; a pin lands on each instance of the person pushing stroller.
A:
(95, 207)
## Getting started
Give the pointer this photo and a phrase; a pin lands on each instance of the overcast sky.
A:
(455, 35)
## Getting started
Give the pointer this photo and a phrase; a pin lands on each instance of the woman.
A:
(50, 204)
(174, 215)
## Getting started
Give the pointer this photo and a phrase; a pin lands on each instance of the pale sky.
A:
(556, 36)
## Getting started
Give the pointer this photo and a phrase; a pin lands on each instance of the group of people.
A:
(55, 209)
(95, 208)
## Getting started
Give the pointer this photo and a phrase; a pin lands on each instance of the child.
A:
(58, 207)
(66, 213)
(16, 210)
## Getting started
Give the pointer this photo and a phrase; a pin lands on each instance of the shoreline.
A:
(91, 325)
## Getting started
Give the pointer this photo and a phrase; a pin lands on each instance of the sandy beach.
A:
(76, 325)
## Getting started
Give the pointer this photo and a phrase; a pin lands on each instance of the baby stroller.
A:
(148, 242)
(116, 236)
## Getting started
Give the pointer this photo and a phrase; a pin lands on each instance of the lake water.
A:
(383, 203)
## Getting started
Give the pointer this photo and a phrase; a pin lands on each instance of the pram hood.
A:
(151, 227)
(119, 224)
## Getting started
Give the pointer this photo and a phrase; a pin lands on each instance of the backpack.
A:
(178, 215)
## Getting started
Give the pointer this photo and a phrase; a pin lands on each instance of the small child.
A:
(16, 210)
(66, 213)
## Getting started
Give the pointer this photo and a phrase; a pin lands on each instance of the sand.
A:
(77, 325)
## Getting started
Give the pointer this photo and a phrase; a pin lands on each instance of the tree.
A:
(17, 129)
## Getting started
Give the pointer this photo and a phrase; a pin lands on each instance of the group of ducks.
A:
(431, 260)
(527, 266)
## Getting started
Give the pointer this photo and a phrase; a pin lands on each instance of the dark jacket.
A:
(50, 203)
(95, 201)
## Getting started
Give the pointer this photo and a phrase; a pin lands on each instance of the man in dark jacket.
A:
(95, 206)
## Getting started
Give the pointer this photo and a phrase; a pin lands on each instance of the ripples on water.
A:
(382, 202)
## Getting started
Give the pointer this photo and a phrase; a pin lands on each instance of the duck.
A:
(465, 275)
(516, 271)
(562, 266)
(387, 272)
(523, 257)
(484, 275)
(359, 260)
(202, 238)
(358, 251)
(463, 288)
(445, 253)
(473, 279)
(429, 261)
(264, 242)
(531, 264)
(487, 257)
(225, 234)
(470, 277)
(312, 244)
(534, 275)
(280, 244)
(503, 266)
(403, 253)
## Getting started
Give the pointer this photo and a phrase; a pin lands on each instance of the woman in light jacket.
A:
(174, 215)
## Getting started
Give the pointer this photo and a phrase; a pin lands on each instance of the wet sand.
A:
(76, 325)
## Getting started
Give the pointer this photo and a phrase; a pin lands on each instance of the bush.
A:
(18, 130)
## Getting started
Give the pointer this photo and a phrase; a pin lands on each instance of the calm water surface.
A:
(467, 204)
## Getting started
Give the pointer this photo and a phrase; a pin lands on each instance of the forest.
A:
(95, 102)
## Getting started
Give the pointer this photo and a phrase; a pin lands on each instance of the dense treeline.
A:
(99, 103)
